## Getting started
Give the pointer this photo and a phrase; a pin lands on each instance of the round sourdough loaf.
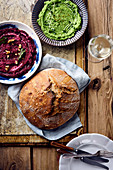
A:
(49, 99)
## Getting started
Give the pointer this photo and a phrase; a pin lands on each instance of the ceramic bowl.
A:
(33, 35)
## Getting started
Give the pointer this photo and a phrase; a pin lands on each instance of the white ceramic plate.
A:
(33, 35)
(90, 143)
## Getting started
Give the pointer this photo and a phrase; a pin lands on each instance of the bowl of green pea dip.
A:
(59, 22)
(59, 19)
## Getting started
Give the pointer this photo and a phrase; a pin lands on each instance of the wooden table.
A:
(20, 147)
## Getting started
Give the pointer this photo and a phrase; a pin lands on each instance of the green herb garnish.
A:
(22, 51)
(3, 40)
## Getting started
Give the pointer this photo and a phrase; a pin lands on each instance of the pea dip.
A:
(59, 19)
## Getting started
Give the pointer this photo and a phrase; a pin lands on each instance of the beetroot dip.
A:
(17, 52)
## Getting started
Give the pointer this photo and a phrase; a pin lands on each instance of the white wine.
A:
(100, 47)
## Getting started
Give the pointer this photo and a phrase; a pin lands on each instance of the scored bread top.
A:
(49, 99)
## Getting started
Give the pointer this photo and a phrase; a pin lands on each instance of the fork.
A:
(68, 154)
(101, 153)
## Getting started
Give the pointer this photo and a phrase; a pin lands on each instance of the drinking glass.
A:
(100, 47)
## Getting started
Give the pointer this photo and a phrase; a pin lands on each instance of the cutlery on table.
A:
(89, 160)
(86, 157)
(68, 154)
(79, 152)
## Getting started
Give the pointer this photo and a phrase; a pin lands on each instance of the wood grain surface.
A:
(45, 158)
(15, 158)
(100, 94)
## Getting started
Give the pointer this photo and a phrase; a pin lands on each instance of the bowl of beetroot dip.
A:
(20, 52)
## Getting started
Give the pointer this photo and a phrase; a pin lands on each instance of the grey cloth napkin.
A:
(82, 79)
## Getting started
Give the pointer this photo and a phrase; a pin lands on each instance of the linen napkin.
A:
(82, 80)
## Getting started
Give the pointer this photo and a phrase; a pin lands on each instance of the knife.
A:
(77, 151)
(67, 148)
(94, 163)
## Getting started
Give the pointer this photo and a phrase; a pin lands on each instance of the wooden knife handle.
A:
(62, 151)
(58, 145)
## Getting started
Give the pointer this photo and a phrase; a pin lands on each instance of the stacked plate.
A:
(90, 143)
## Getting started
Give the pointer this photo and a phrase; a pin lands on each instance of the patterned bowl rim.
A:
(30, 31)
(84, 15)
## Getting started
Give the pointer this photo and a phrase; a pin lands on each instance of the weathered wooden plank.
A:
(11, 121)
(67, 52)
(15, 158)
(45, 158)
(28, 140)
(100, 94)
(80, 60)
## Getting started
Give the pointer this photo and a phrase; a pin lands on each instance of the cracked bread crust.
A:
(49, 99)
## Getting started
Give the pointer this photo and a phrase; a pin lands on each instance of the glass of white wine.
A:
(99, 48)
